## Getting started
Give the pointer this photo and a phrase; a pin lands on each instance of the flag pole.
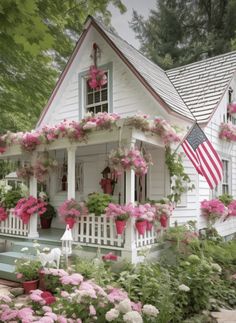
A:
(185, 136)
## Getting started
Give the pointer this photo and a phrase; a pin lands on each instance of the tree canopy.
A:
(36, 39)
(179, 32)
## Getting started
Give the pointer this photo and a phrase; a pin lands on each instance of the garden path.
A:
(225, 316)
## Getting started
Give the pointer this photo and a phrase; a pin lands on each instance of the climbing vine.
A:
(179, 181)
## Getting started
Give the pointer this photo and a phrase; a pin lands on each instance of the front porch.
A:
(84, 164)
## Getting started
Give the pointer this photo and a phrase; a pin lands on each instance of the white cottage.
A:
(200, 91)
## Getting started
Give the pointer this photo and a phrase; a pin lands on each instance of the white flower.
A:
(24, 249)
(216, 267)
(184, 288)
(132, 317)
(112, 315)
(43, 195)
(150, 310)
(36, 245)
(124, 306)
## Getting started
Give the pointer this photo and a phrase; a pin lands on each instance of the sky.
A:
(121, 22)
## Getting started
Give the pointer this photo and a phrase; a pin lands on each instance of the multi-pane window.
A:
(97, 99)
(226, 179)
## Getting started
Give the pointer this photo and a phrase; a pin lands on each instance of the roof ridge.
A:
(125, 41)
(200, 61)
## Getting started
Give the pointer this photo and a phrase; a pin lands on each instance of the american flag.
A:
(203, 156)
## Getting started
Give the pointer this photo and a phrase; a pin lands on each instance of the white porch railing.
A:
(100, 230)
(13, 226)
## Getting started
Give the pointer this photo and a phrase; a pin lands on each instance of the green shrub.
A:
(98, 202)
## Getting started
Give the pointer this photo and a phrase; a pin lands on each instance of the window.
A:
(97, 99)
(226, 177)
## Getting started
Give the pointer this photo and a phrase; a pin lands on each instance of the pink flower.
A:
(92, 310)
(116, 295)
(110, 256)
(19, 275)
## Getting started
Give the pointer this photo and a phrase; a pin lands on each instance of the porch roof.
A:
(123, 133)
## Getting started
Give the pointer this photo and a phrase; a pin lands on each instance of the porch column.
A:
(33, 223)
(130, 252)
(71, 183)
(71, 172)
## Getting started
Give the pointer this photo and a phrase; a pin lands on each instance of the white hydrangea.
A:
(112, 315)
(132, 317)
(24, 249)
(150, 310)
(184, 288)
(124, 306)
(216, 267)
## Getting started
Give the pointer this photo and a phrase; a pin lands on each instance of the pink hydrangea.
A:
(213, 209)
(232, 208)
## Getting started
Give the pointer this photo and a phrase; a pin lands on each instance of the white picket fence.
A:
(13, 226)
(101, 231)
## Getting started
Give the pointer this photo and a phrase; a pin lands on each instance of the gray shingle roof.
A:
(155, 77)
(202, 84)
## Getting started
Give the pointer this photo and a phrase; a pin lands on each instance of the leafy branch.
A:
(180, 182)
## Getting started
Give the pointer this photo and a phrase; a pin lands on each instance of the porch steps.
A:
(8, 272)
(7, 259)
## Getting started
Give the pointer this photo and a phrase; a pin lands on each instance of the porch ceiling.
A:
(125, 134)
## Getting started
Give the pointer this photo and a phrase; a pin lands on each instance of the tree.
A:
(36, 39)
(182, 31)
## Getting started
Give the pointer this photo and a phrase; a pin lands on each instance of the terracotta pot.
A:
(45, 223)
(164, 221)
(120, 226)
(42, 285)
(141, 226)
(149, 226)
(30, 285)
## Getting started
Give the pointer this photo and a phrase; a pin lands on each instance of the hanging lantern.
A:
(66, 240)
(107, 183)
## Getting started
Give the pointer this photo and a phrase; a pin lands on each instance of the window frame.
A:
(229, 161)
(83, 89)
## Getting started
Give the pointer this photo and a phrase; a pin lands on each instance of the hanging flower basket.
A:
(141, 226)
(120, 226)
(96, 78)
(232, 109)
(70, 210)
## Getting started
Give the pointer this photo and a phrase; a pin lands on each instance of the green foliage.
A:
(10, 198)
(31, 61)
(50, 212)
(97, 202)
(179, 180)
(226, 199)
(181, 32)
(28, 267)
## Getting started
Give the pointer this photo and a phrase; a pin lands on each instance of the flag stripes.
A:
(203, 156)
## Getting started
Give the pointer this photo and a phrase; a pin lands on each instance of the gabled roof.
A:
(191, 91)
(202, 84)
(154, 76)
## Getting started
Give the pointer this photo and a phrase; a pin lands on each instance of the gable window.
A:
(226, 177)
(95, 100)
